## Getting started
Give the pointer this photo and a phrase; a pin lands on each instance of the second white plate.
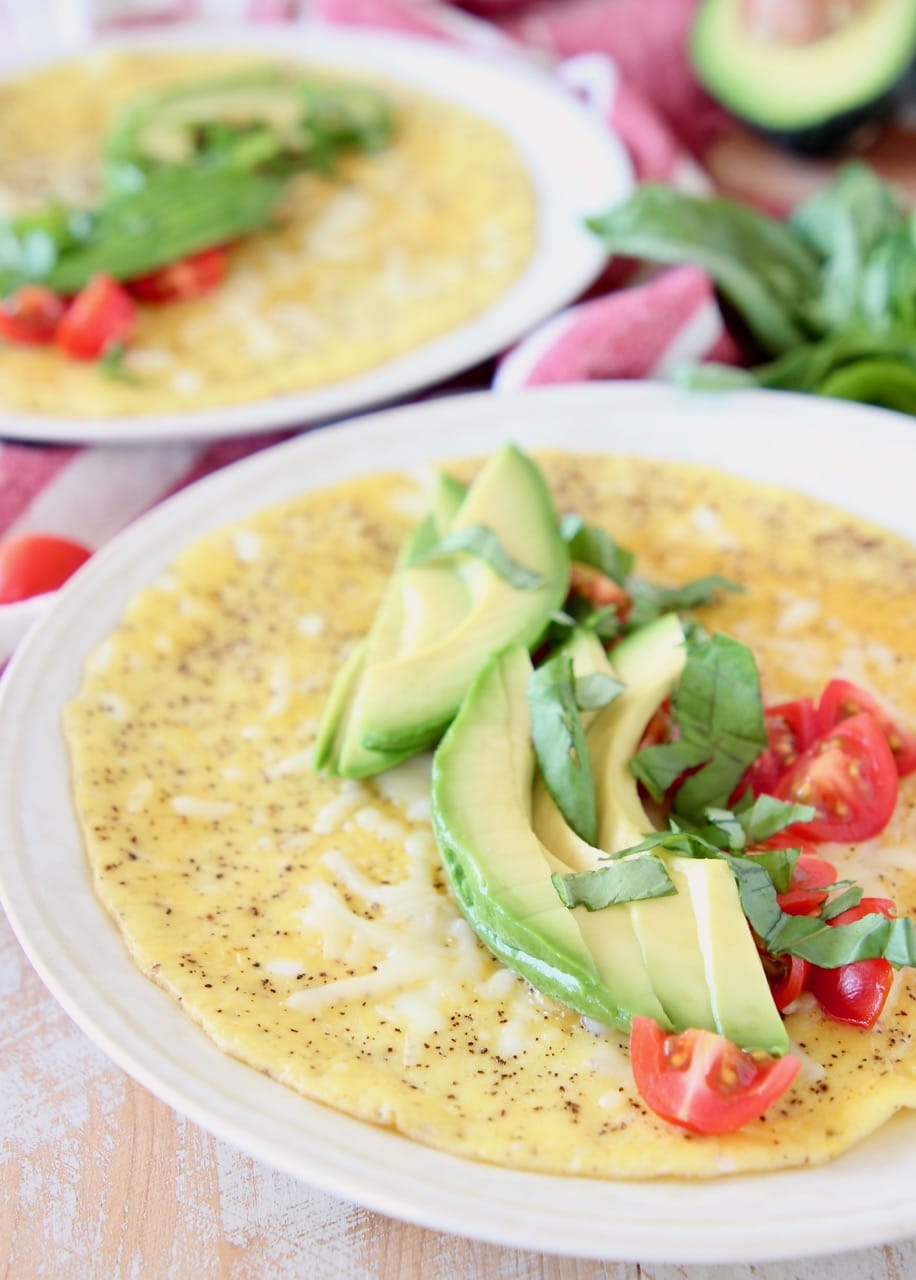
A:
(577, 166)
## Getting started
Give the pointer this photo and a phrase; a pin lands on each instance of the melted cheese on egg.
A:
(305, 922)
(391, 251)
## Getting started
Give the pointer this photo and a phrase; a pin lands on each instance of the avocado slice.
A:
(811, 95)
(688, 960)
(649, 661)
(246, 121)
(409, 698)
(418, 604)
(481, 805)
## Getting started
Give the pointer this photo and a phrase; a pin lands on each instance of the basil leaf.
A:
(718, 706)
(659, 767)
(779, 864)
(829, 946)
(481, 541)
(757, 821)
(888, 383)
(850, 897)
(560, 746)
(596, 690)
(631, 881)
(650, 601)
(595, 547)
(763, 267)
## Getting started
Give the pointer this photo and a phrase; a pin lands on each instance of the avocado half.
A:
(808, 97)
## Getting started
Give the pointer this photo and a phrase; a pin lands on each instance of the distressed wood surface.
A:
(99, 1180)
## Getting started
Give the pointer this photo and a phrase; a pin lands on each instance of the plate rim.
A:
(541, 289)
(440, 1188)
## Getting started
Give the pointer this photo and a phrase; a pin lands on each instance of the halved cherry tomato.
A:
(855, 993)
(791, 728)
(660, 728)
(808, 890)
(842, 699)
(30, 316)
(702, 1081)
(189, 278)
(596, 587)
(101, 316)
(786, 976)
(850, 778)
(35, 563)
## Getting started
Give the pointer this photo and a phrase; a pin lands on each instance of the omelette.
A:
(366, 263)
(305, 922)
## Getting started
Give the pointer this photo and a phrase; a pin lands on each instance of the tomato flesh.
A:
(855, 993)
(190, 278)
(703, 1082)
(101, 316)
(850, 778)
(809, 887)
(30, 316)
(35, 563)
(841, 699)
(596, 587)
(791, 728)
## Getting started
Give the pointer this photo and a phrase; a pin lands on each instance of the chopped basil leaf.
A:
(718, 707)
(659, 767)
(851, 897)
(480, 541)
(560, 746)
(596, 690)
(751, 823)
(779, 864)
(649, 601)
(595, 547)
(631, 881)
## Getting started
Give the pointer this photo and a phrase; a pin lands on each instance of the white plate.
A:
(863, 459)
(577, 167)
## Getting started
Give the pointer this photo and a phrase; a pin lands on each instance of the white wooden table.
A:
(99, 1181)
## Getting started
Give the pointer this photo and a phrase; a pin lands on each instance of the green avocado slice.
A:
(411, 697)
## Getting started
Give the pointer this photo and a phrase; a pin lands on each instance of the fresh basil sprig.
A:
(481, 541)
(616, 883)
(831, 293)
(594, 546)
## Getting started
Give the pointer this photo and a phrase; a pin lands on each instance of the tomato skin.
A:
(191, 277)
(35, 563)
(855, 993)
(703, 1082)
(809, 888)
(791, 728)
(101, 316)
(787, 976)
(842, 699)
(849, 776)
(597, 588)
(30, 316)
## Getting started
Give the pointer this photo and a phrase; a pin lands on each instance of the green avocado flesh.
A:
(687, 960)
(785, 87)
(243, 121)
(440, 620)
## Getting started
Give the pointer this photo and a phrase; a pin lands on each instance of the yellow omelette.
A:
(305, 922)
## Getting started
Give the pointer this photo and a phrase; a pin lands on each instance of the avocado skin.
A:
(835, 134)
(828, 117)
